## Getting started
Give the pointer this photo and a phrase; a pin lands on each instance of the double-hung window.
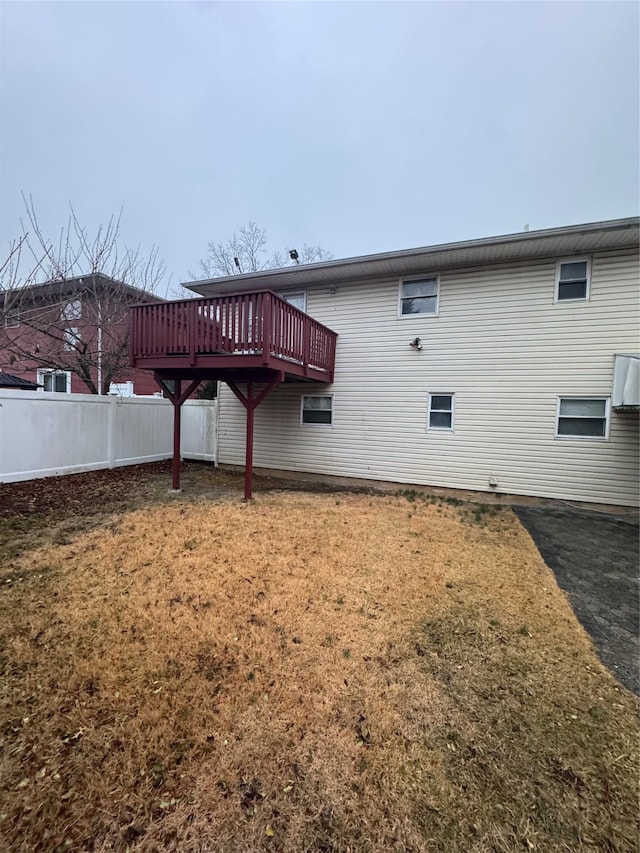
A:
(71, 335)
(582, 417)
(573, 280)
(317, 410)
(419, 296)
(441, 409)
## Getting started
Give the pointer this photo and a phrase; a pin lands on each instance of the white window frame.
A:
(306, 423)
(407, 280)
(42, 373)
(580, 260)
(72, 310)
(607, 417)
(12, 318)
(72, 338)
(293, 294)
(432, 394)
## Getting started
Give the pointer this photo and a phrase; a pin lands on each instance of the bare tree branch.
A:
(249, 247)
(64, 304)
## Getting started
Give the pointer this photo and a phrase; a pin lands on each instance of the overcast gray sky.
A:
(360, 126)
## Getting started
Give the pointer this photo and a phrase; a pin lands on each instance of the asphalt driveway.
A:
(594, 557)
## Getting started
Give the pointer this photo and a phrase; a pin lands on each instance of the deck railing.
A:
(242, 324)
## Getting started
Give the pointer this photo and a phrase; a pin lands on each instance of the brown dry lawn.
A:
(305, 673)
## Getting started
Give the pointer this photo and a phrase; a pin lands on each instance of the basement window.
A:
(581, 417)
(573, 279)
(317, 410)
(441, 408)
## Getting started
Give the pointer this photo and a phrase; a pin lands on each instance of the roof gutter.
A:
(358, 268)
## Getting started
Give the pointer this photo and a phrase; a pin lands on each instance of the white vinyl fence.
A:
(46, 434)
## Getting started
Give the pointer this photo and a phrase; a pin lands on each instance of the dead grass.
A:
(306, 673)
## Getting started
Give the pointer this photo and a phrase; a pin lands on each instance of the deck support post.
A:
(250, 404)
(177, 397)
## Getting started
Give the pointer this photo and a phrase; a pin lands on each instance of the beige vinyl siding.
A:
(506, 351)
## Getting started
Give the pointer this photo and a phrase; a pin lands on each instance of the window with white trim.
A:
(441, 411)
(298, 300)
(72, 310)
(419, 296)
(582, 417)
(55, 380)
(12, 318)
(317, 410)
(71, 338)
(573, 280)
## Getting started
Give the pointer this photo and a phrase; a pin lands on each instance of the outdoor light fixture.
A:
(416, 344)
(237, 263)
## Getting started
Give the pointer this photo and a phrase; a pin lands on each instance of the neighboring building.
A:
(484, 365)
(8, 382)
(42, 325)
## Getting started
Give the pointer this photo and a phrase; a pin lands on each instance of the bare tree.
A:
(64, 303)
(247, 251)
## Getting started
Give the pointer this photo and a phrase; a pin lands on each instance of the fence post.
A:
(111, 430)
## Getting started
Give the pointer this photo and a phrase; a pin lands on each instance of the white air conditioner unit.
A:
(625, 396)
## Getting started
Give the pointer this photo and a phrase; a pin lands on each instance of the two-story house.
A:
(486, 365)
(72, 335)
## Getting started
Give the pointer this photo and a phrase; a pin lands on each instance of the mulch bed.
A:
(74, 493)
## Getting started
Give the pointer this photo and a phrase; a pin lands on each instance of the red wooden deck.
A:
(238, 337)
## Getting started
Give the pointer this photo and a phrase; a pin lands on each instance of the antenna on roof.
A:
(237, 263)
(293, 254)
(526, 227)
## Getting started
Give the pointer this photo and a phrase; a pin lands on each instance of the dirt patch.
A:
(308, 672)
(53, 510)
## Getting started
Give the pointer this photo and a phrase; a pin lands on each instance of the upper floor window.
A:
(72, 310)
(298, 300)
(55, 380)
(71, 337)
(573, 279)
(419, 296)
(579, 417)
(12, 318)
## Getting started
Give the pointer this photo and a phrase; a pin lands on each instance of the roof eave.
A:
(398, 262)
